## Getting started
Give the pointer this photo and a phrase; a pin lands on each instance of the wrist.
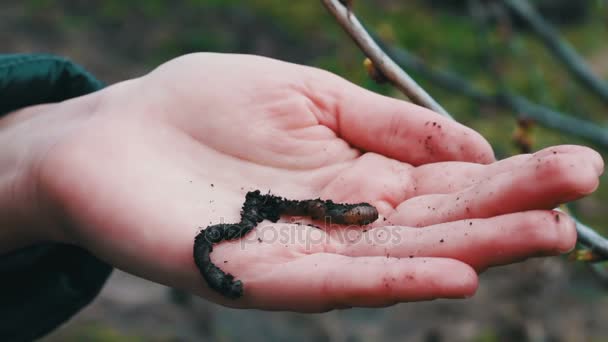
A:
(27, 137)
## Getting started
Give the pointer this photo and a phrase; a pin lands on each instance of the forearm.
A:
(27, 136)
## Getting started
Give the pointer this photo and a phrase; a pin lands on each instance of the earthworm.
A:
(257, 208)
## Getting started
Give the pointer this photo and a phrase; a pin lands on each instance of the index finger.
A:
(394, 128)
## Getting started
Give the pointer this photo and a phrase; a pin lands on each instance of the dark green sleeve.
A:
(43, 286)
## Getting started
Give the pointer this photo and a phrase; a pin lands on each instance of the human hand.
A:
(156, 158)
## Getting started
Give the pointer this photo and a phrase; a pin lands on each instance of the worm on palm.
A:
(257, 208)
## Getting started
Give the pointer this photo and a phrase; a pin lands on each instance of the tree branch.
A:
(559, 121)
(590, 238)
(347, 19)
(559, 47)
(391, 71)
(542, 115)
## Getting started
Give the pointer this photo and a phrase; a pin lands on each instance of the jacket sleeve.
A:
(43, 286)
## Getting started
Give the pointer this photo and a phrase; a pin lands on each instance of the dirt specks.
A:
(428, 145)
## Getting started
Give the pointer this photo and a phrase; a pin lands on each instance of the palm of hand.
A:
(161, 159)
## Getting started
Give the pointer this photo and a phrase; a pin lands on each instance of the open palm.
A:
(167, 154)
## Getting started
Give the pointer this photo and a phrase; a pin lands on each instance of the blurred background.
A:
(550, 299)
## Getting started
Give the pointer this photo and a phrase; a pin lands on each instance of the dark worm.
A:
(257, 208)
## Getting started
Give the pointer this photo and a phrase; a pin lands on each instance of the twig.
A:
(402, 81)
(542, 115)
(348, 20)
(590, 238)
(557, 120)
(559, 47)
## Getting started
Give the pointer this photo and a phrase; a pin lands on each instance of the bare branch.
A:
(445, 79)
(590, 238)
(392, 71)
(559, 121)
(542, 115)
(347, 19)
(559, 47)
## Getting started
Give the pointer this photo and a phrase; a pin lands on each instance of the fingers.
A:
(446, 177)
(480, 243)
(322, 282)
(540, 183)
(394, 128)
(388, 182)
